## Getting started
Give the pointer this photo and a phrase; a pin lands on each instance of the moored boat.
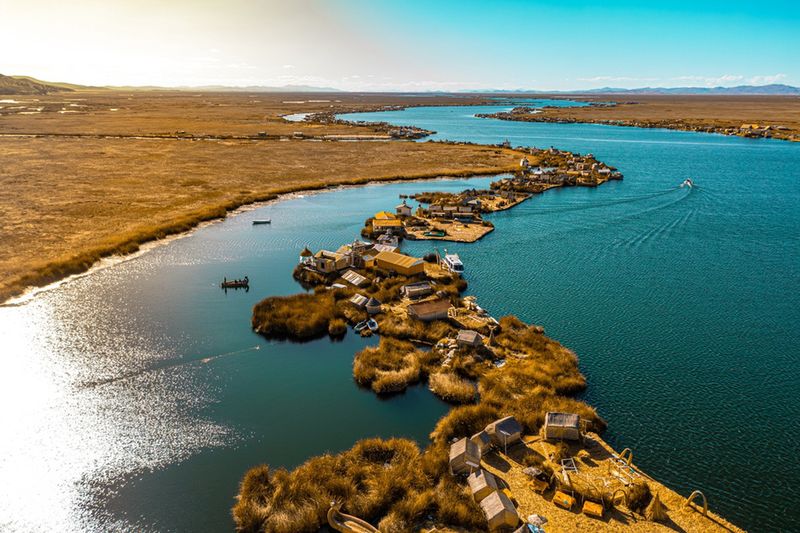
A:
(687, 183)
(453, 263)
(262, 221)
(372, 325)
(360, 326)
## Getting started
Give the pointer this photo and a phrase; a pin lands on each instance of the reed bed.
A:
(452, 388)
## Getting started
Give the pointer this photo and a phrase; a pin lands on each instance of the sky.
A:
(408, 45)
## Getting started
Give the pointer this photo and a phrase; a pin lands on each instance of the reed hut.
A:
(481, 484)
(464, 457)
(483, 440)
(500, 512)
(505, 431)
(562, 426)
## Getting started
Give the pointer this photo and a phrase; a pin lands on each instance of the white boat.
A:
(372, 325)
(361, 325)
(453, 263)
(687, 183)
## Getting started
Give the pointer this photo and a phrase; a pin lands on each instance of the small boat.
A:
(345, 523)
(262, 221)
(435, 233)
(687, 183)
(360, 326)
(453, 263)
(243, 283)
(372, 325)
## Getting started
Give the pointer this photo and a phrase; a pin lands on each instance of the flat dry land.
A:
(92, 181)
(688, 112)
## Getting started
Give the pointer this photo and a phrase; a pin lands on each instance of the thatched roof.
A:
(306, 252)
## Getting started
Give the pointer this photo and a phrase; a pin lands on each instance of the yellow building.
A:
(400, 263)
(384, 215)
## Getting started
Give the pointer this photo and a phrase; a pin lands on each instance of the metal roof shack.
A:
(464, 456)
(430, 310)
(562, 426)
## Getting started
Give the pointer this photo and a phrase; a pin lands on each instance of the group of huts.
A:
(466, 454)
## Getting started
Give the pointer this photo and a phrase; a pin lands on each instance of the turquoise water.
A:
(682, 304)
(135, 397)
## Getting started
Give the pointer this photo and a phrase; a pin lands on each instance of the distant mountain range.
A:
(29, 85)
(775, 88)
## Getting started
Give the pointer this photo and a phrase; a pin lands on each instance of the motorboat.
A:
(453, 263)
(687, 183)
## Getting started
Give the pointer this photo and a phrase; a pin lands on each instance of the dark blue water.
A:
(682, 304)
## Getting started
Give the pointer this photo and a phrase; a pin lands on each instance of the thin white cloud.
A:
(767, 80)
(287, 67)
(616, 78)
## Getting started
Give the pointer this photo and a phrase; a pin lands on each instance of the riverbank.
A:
(512, 368)
(86, 185)
(767, 117)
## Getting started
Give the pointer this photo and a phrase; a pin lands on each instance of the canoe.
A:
(372, 325)
(346, 523)
(361, 325)
(263, 221)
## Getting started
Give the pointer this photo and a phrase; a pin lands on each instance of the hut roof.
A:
(468, 336)
(378, 248)
(481, 437)
(306, 252)
(480, 480)
(464, 446)
(508, 425)
(359, 300)
(354, 278)
(384, 215)
(431, 307)
(656, 511)
(372, 302)
(401, 260)
(496, 505)
(565, 420)
(387, 223)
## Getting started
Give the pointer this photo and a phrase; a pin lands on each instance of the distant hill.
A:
(231, 89)
(774, 89)
(28, 85)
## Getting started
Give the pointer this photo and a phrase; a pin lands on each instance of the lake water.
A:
(136, 397)
(682, 304)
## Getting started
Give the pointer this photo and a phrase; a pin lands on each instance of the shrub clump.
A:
(390, 367)
(337, 327)
(452, 388)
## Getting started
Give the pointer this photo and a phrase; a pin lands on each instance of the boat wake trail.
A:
(532, 209)
(165, 366)
(659, 231)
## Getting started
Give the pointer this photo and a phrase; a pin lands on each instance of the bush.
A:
(451, 388)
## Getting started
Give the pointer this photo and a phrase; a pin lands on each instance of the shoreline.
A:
(55, 273)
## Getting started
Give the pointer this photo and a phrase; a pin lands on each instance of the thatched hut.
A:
(505, 431)
(483, 440)
(481, 484)
(464, 456)
(562, 426)
(500, 512)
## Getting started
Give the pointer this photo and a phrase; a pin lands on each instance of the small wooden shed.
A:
(464, 457)
(505, 431)
(500, 512)
(373, 306)
(481, 484)
(562, 426)
(483, 440)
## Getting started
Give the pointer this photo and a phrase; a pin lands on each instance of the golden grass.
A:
(686, 111)
(299, 317)
(452, 388)
(390, 367)
(70, 197)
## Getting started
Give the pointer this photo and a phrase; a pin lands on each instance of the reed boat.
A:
(346, 523)
(243, 283)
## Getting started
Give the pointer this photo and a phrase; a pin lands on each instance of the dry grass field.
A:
(688, 112)
(93, 182)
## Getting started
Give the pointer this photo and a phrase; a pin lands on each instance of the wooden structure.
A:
(430, 310)
(373, 306)
(500, 512)
(468, 337)
(504, 432)
(562, 426)
(400, 263)
(483, 440)
(464, 457)
(354, 278)
(692, 496)
(481, 484)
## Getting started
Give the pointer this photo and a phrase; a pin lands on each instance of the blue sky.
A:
(408, 45)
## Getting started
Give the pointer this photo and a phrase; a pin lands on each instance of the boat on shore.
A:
(372, 324)
(243, 283)
(360, 326)
(262, 221)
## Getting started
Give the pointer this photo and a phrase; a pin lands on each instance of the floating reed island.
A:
(516, 443)
(458, 217)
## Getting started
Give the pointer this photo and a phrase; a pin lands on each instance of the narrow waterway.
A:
(135, 397)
